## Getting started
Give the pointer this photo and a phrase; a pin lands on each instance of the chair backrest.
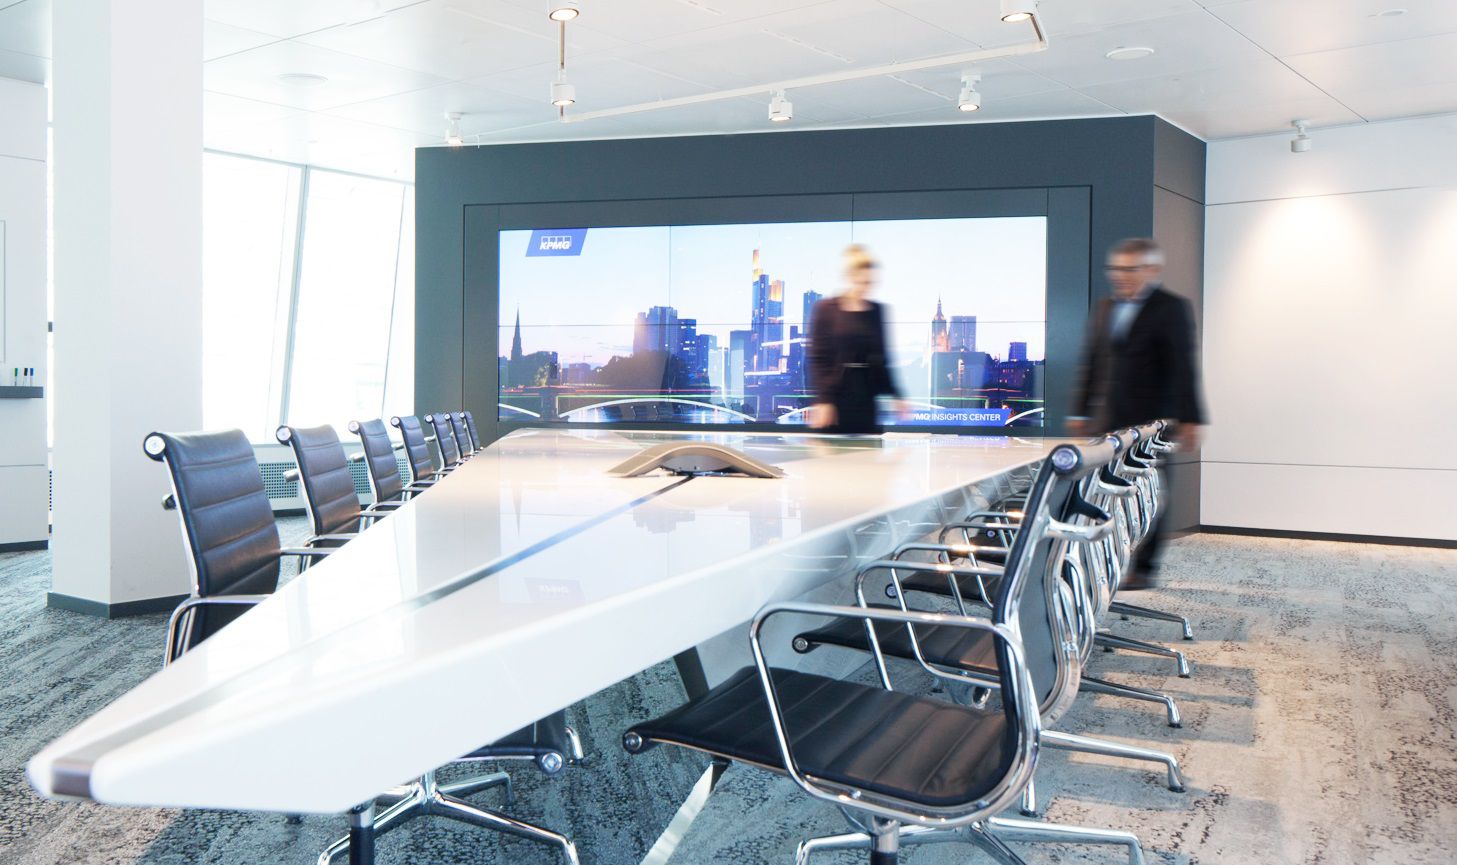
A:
(227, 522)
(1030, 598)
(417, 450)
(462, 435)
(444, 438)
(323, 469)
(470, 425)
(379, 456)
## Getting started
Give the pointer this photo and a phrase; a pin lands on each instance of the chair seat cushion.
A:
(547, 736)
(917, 749)
(962, 648)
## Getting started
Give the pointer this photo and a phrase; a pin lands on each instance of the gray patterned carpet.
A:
(1320, 729)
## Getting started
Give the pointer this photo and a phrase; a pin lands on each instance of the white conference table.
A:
(524, 582)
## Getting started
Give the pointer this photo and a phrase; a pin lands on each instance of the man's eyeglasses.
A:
(1113, 268)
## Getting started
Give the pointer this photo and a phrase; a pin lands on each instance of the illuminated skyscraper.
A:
(766, 319)
(1017, 352)
(657, 330)
(962, 333)
(939, 339)
(810, 299)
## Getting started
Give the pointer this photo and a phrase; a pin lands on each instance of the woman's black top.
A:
(848, 363)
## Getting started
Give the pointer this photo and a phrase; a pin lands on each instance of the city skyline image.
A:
(710, 323)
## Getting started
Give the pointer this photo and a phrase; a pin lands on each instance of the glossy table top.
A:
(525, 581)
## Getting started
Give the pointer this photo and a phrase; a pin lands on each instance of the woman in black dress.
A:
(847, 355)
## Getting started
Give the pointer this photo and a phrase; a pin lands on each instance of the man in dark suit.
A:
(1138, 366)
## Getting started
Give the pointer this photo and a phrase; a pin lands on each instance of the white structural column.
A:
(127, 114)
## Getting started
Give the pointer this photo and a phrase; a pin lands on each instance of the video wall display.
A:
(710, 323)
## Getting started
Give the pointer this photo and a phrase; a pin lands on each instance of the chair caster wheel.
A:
(1179, 789)
(1177, 725)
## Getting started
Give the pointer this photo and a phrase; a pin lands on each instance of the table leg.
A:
(361, 835)
(690, 672)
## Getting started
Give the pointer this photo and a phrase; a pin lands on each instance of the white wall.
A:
(24, 517)
(1330, 332)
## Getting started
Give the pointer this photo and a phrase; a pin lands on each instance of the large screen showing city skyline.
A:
(709, 323)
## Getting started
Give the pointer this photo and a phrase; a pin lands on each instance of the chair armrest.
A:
(887, 806)
(313, 552)
(343, 536)
(190, 604)
(384, 506)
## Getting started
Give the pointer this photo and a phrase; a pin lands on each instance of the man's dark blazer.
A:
(1147, 375)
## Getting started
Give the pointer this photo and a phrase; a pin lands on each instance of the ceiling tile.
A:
(423, 111)
(289, 18)
(1253, 97)
(1390, 79)
(1184, 43)
(220, 40)
(254, 75)
(645, 20)
(25, 27)
(1038, 106)
(224, 115)
(601, 82)
(459, 39)
(1285, 27)
(859, 33)
(980, 23)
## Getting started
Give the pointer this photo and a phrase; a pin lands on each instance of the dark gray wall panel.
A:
(1102, 168)
(1178, 161)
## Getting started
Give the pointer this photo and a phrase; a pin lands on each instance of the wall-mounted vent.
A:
(275, 484)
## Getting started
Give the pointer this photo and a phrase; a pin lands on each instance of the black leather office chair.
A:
(385, 481)
(906, 768)
(968, 659)
(417, 450)
(227, 527)
(470, 426)
(463, 441)
(444, 440)
(335, 516)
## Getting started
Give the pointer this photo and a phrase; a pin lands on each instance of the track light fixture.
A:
(562, 93)
(781, 110)
(1014, 11)
(1301, 142)
(970, 99)
(563, 10)
(452, 129)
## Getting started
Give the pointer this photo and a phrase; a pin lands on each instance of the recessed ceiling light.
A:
(1132, 52)
(563, 10)
(1014, 11)
(1389, 13)
(302, 79)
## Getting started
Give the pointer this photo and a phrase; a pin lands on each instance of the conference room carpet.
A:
(1320, 727)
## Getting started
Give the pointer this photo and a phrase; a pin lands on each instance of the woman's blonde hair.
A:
(857, 257)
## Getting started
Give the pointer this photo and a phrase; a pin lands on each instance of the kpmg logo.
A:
(556, 241)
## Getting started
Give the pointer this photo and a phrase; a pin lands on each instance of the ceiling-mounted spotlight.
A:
(563, 10)
(562, 93)
(1301, 142)
(970, 99)
(1014, 11)
(452, 129)
(781, 110)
